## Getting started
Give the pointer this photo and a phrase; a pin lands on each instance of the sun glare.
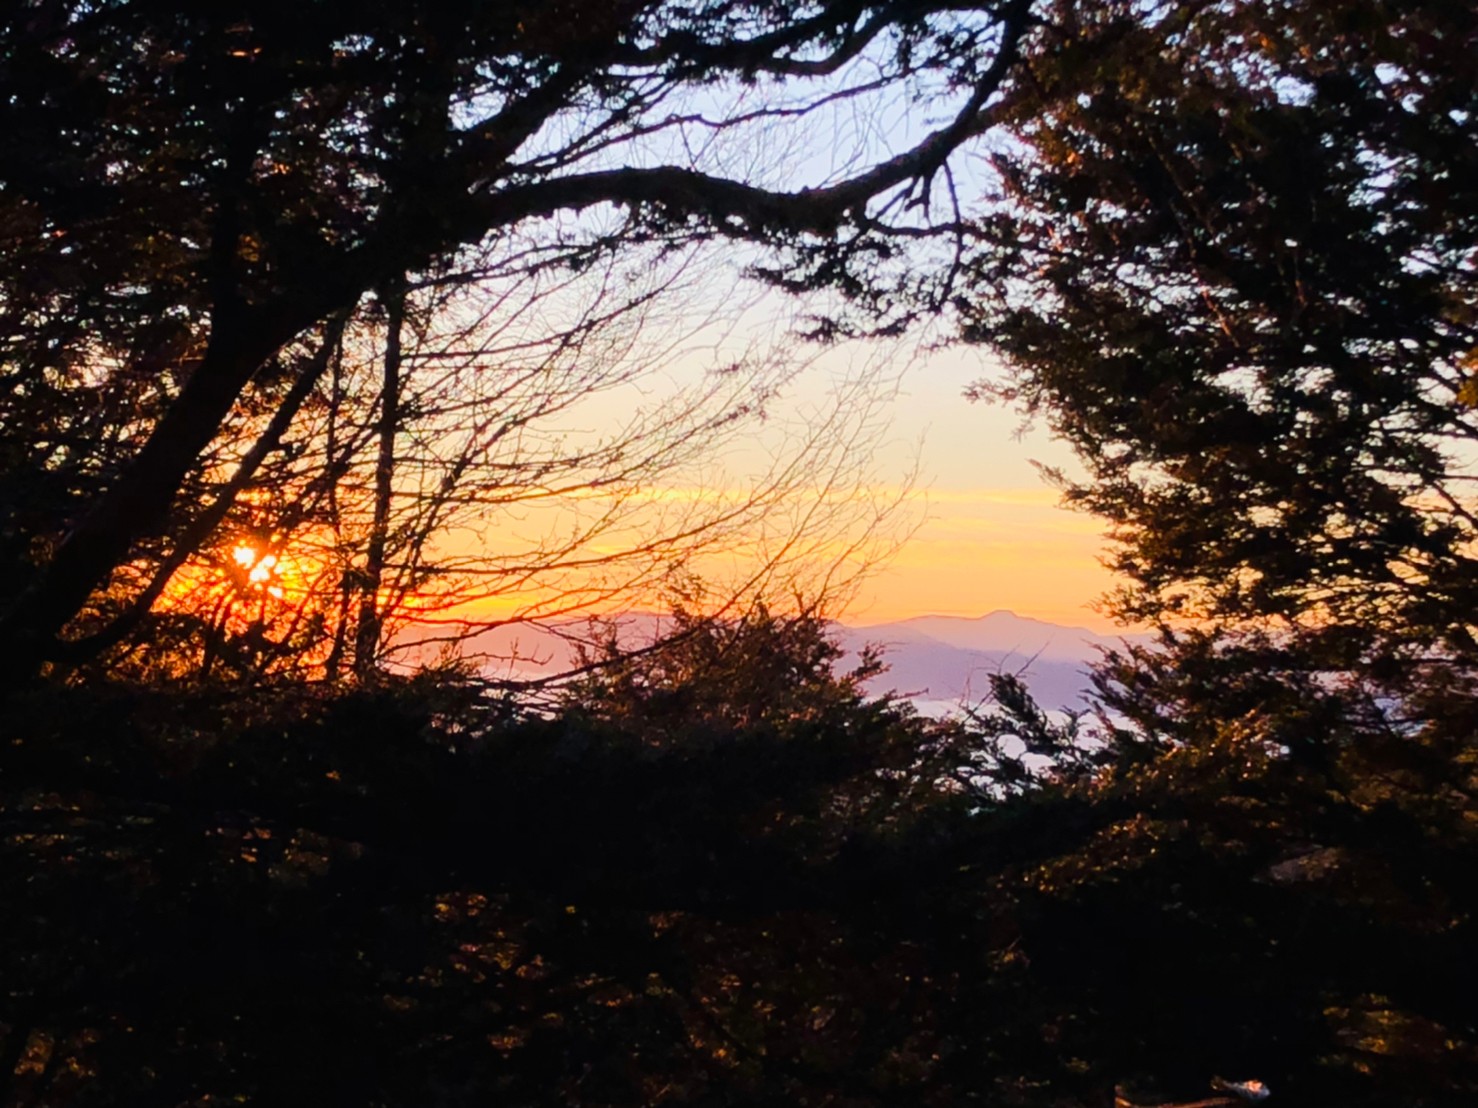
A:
(261, 569)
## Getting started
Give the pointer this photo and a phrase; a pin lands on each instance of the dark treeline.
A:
(1225, 249)
(723, 877)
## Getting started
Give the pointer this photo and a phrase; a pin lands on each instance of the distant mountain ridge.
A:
(936, 661)
(998, 630)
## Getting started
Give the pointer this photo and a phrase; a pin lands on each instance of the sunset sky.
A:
(977, 527)
(991, 533)
(988, 530)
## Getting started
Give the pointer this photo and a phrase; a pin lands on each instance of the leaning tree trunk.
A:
(141, 497)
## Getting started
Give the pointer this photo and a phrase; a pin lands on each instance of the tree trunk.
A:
(101, 540)
(203, 526)
(371, 617)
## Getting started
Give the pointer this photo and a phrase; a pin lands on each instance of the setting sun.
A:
(261, 569)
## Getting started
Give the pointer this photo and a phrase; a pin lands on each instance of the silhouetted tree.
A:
(191, 193)
(1231, 261)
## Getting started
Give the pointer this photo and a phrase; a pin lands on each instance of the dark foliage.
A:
(419, 894)
(1234, 266)
(1232, 263)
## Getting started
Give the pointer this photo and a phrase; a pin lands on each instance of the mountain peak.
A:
(1001, 629)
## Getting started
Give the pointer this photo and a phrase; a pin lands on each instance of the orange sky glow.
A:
(983, 549)
(978, 529)
(981, 529)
